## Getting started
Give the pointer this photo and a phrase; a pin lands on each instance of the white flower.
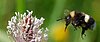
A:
(26, 28)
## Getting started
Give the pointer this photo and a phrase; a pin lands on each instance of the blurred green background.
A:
(52, 10)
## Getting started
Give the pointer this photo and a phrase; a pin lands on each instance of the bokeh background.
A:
(52, 10)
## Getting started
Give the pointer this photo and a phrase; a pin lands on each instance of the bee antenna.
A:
(66, 11)
(60, 19)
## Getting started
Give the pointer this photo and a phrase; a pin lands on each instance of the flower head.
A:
(26, 28)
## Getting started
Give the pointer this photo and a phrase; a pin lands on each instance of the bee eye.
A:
(67, 17)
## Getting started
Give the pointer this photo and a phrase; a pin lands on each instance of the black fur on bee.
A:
(79, 19)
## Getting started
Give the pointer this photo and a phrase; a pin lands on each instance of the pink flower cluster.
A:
(26, 28)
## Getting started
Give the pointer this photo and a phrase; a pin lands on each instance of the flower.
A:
(57, 32)
(26, 28)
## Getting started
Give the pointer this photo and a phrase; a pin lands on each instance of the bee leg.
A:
(68, 20)
(84, 34)
(74, 27)
(59, 19)
(66, 26)
(83, 31)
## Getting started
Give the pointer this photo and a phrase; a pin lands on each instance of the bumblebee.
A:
(79, 19)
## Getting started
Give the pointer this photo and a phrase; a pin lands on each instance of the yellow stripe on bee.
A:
(86, 18)
(72, 14)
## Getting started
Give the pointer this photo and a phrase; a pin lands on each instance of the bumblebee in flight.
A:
(79, 19)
